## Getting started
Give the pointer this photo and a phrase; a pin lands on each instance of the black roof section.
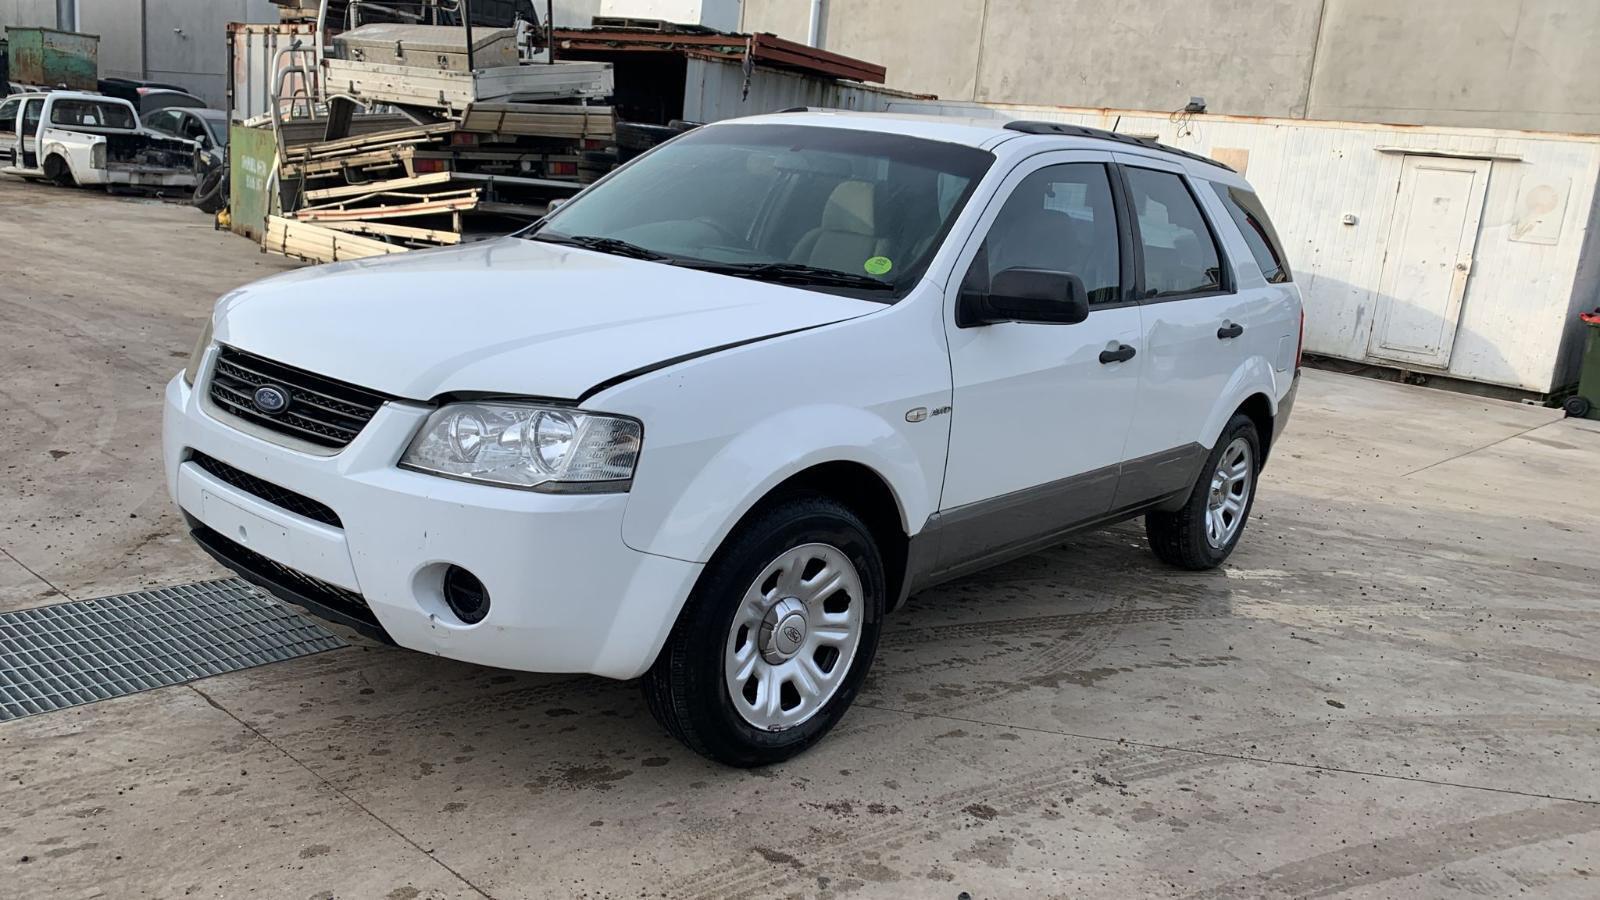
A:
(1032, 127)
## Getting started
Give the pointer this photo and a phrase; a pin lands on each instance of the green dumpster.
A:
(1587, 402)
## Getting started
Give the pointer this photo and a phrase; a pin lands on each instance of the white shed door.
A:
(1429, 257)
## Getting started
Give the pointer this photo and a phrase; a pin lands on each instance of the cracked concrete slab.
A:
(1391, 690)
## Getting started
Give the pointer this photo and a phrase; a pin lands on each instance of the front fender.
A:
(1253, 376)
(685, 510)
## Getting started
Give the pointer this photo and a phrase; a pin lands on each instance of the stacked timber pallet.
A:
(493, 170)
(472, 143)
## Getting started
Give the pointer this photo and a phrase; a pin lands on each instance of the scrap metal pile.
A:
(434, 143)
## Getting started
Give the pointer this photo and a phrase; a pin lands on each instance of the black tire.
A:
(210, 195)
(1178, 538)
(1576, 407)
(59, 173)
(686, 689)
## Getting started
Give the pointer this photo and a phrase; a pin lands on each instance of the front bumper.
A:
(567, 595)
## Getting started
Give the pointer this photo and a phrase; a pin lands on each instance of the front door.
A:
(32, 114)
(8, 130)
(1431, 242)
(1040, 410)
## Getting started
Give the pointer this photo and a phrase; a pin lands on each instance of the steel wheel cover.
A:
(794, 636)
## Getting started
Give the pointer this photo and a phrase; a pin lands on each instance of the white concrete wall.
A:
(121, 39)
(32, 13)
(1528, 64)
(1518, 325)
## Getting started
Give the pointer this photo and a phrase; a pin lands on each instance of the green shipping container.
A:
(46, 57)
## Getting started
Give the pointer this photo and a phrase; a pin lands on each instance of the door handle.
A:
(1123, 353)
(1229, 330)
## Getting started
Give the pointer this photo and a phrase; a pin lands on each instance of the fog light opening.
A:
(466, 595)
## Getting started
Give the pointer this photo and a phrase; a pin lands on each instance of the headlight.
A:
(191, 371)
(525, 445)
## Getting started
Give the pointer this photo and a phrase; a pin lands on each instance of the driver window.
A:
(1060, 218)
(193, 130)
(161, 121)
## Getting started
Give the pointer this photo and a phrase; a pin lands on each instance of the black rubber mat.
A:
(53, 657)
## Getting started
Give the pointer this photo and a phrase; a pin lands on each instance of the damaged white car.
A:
(89, 139)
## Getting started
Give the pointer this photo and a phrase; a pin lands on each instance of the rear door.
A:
(1040, 410)
(1193, 322)
(9, 111)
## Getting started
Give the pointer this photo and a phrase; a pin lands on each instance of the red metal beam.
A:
(764, 48)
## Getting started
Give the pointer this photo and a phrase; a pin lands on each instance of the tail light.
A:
(429, 165)
(595, 144)
(563, 168)
(97, 156)
(1300, 348)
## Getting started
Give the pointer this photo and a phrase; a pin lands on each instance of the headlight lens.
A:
(526, 445)
(192, 370)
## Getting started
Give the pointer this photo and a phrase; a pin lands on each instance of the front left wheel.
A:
(777, 636)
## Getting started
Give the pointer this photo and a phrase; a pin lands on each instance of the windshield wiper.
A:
(791, 273)
(612, 246)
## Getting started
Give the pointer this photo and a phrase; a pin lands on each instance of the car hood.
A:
(507, 316)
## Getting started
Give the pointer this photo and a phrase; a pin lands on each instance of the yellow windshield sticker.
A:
(878, 265)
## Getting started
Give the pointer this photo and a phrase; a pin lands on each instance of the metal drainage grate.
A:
(53, 657)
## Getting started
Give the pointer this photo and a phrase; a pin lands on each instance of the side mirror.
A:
(1027, 295)
(554, 204)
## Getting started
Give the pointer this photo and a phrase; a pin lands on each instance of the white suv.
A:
(712, 419)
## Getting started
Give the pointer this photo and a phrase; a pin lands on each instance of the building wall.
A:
(138, 37)
(121, 38)
(1482, 63)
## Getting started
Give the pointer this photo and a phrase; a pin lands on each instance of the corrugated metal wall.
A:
(1518, 326)
(714, 90)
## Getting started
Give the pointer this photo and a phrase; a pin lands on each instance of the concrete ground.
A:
(1391, 690)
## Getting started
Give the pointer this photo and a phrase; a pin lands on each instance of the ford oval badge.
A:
(271, 399)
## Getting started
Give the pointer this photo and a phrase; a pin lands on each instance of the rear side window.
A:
(91, 114)
(1180, 256)
(1251, 217)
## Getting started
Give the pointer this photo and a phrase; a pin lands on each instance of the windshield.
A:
(92, 114)
(838, 208)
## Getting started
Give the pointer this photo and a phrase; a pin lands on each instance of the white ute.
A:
(714, 417)
(89, 140)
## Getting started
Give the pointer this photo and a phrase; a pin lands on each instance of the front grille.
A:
(321, 410)
(324, 599)
(281, 497)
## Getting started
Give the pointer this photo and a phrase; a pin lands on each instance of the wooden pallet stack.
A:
(491, 169)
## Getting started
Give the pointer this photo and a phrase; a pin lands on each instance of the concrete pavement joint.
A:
(337, 790)
(29, 569)
(1478, 449)
(1122, 742)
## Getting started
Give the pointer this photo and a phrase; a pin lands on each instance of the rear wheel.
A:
(57, 170)
(774, 642)
(1203, 533)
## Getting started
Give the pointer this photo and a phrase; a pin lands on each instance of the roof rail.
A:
(794, 109)
(1034, 127)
